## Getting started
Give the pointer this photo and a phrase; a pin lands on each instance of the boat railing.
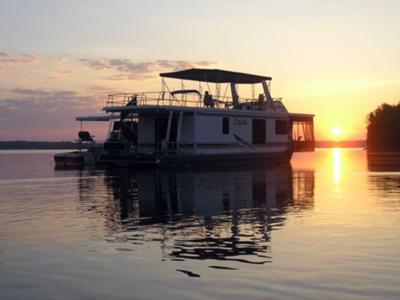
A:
(189, 98)
(152, 98)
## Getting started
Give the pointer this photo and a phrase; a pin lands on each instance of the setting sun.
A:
(337, 132)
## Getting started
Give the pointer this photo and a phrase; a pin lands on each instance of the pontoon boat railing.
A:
(171, 99)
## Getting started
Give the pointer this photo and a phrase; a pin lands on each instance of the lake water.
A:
(325, 227)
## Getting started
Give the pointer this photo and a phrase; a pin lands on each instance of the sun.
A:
(337, 132)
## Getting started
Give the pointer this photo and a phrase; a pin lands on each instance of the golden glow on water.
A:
(337, 166)
(332, 209)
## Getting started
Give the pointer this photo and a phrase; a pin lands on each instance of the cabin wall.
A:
(146, 129)
(271, 132)
(209, 130)
(187, 131)
(204, 134)
(241, 127)
(210, 138)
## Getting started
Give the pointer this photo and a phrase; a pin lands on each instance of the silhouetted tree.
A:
(383, 128)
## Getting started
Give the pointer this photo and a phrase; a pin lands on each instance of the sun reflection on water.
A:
(337, 165)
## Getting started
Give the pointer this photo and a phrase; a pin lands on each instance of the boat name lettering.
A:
(239, 122)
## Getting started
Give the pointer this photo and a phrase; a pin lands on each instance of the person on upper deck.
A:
(208, 100)
(261, 99)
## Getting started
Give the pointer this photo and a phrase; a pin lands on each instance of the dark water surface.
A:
(325, 227)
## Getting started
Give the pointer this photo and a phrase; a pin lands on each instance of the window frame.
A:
(225, 125)
(280, 129)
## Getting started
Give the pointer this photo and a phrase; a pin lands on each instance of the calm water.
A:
(325, 227)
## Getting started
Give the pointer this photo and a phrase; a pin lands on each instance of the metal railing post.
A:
(169, 126)
(178, 134)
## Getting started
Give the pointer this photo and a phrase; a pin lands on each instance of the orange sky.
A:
(337, 60)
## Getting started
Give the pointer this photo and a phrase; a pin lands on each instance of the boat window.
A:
(258, 131)
(281, 127)
(225, 125)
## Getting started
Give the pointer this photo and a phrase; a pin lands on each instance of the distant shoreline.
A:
(37, 145)
(342, 144)
(46, 145)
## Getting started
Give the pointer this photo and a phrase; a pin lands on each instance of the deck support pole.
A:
(169, 127)
(194, 133)
(267, 94)
(235, 97)
(178, 133)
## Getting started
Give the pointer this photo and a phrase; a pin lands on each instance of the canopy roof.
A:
(216, 76)
(301, 117)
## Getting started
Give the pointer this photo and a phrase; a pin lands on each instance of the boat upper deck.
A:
(223, 98)
(201, 96)
(189, 99)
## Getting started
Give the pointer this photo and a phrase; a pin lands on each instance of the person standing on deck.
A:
(208, 100)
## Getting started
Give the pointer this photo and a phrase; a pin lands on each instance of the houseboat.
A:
(204, 120)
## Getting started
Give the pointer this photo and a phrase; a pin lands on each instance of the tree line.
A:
(383, 128)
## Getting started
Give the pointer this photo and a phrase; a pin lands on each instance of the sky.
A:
(59, 59)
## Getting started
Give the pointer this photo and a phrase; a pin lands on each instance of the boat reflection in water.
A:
(224, 214)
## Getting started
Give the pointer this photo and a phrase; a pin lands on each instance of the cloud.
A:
(12, 58)
(66, 72)
(29, 58)
(127, 69)
(33, 113)
(94, 64)
(61, 60)
(101, 90)
(174, 65)
(132, 76)
(30, 92)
